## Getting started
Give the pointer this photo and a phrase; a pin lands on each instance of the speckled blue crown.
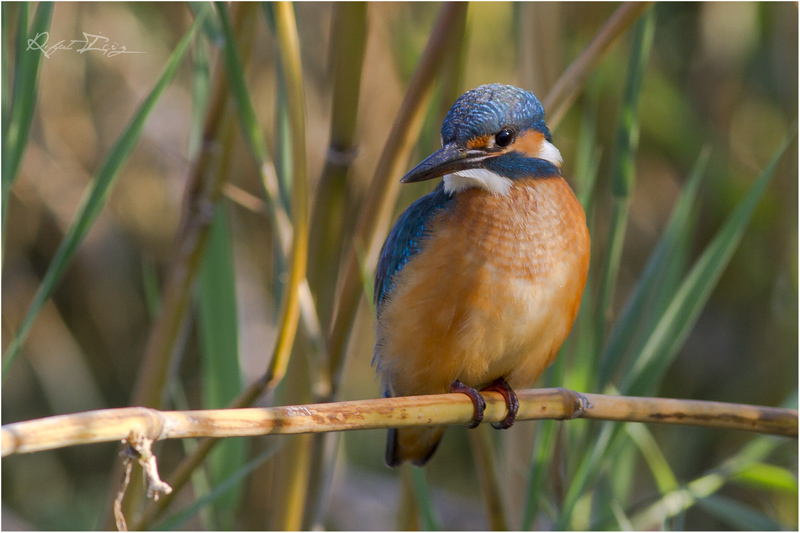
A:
(487, 109)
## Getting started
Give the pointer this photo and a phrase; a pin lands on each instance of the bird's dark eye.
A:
(504, 138)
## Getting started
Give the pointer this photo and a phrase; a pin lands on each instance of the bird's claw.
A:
(477, 401)
(499, 385)
(512, 403)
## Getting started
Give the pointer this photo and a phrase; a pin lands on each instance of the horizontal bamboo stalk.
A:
(444, 409)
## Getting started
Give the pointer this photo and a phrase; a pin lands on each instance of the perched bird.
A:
(479, 282)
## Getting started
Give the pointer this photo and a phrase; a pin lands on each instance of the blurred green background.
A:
(722, 75)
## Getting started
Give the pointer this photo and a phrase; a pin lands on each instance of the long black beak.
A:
(449, 159)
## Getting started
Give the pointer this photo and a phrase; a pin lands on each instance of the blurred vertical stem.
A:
(423, 499)
(587, 153)
(289, 47)
(13, 16)
(408, 518)
(296, 478)
(539, 43)
(482, 447)
(197, 243)
(541, 456)
(283, 143)
(201, 87)
(348, 44)
(451, 76)
(17, 126)
(218, 328)
(623, 173)
(373, 223)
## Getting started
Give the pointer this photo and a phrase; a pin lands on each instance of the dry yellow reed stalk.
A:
(118, 424)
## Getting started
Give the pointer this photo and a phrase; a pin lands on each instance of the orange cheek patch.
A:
(478, 142)
(530, 143)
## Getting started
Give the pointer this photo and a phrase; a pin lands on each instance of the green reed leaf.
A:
(96, 196)
(23, 97)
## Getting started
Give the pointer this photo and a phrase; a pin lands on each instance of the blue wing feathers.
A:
(406, 238)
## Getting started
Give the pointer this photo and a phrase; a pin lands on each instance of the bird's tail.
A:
(412, 444)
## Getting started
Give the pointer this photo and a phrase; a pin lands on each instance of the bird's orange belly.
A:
(493, 293)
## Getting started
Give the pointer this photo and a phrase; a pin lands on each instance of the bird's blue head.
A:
(492, 135)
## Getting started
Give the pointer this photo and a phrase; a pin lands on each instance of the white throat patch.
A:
(478, 177)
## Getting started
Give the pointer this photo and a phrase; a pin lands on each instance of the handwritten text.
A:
(89, 43)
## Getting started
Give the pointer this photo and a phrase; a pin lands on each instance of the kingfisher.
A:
(479, 281)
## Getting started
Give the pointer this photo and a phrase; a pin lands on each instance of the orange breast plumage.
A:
(492, 293)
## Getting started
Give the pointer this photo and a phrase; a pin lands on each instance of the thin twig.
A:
(443, 409)
(127, 462)
(143, 447)
(140, 448)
